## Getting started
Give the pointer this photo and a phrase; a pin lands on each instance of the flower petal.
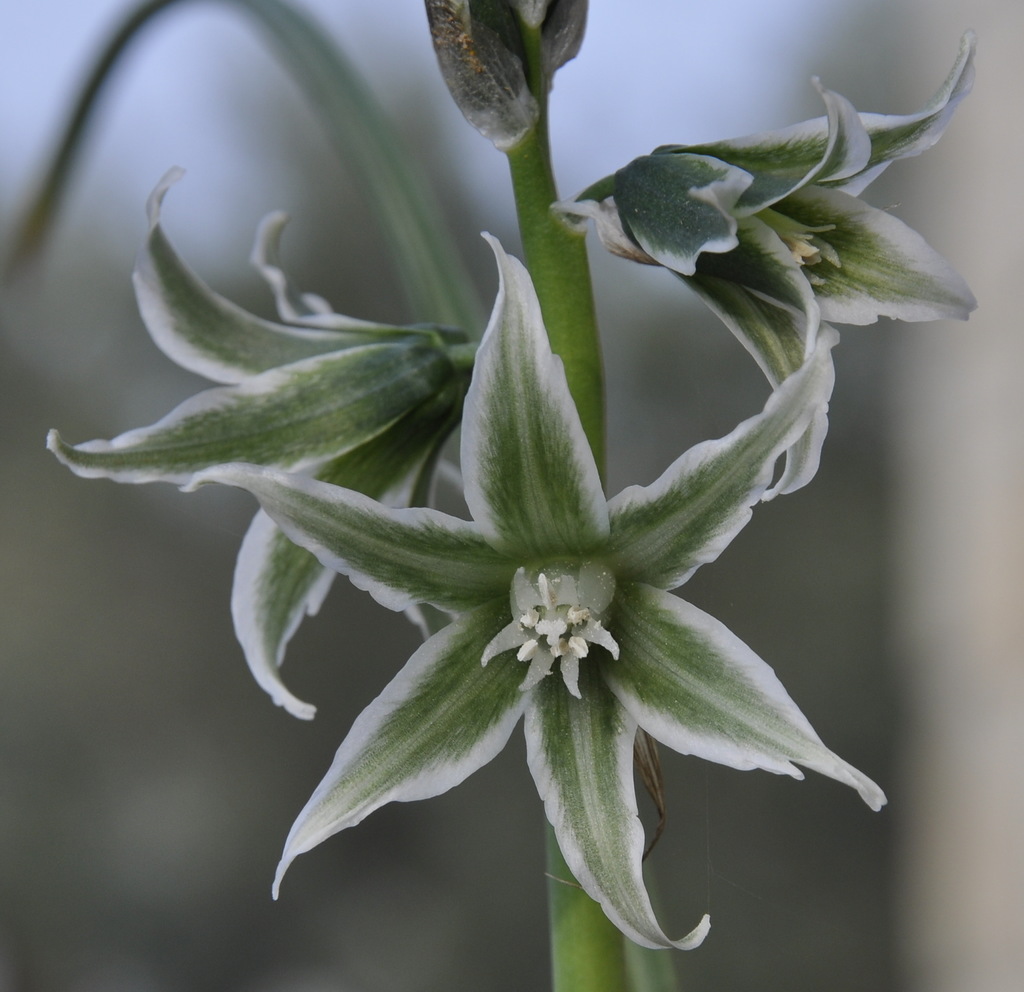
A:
(298, 416)
(580, 752)
(774, 335)
(400, 556)
(894, 137)
(678, 205)
(663, 532)
(762, 262)
(293, 306)
(531, 480)
(780, 162)
(697, 688)
(277, 583)
(848, 148)
(439, 720)
(885, 269)
(208, 334)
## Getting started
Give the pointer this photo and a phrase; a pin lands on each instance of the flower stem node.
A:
(557, 614)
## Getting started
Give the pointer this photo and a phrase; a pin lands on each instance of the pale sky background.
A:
(168, 106)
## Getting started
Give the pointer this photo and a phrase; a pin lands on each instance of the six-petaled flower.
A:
(550, 575)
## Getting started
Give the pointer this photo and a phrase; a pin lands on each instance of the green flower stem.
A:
(586, 948)
(556, 256)
(587, 952)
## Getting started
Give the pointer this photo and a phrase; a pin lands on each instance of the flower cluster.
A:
(769, 232)
(558, 600)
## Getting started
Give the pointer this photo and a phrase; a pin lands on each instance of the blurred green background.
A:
(146, 783)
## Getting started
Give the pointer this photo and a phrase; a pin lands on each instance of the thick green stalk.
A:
(556, 256)
(587, 951)
(586, 948)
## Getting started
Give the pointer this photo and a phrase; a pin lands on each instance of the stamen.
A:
(557, 617)
(801, 239)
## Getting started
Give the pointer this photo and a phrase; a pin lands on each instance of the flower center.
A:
(802, 240)
(556, 616)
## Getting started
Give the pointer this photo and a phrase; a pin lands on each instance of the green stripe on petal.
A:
(676, 206)
(894, 137)
(882, 268)
(208, 334)
(580, 752)
(531, 480)
(777, 161)
(835, 146)
(440, 719)
(663, 532)
(697, 688)
(400, 556)
(762, 262)
(774, 335)
(297, 416)
(277, 583)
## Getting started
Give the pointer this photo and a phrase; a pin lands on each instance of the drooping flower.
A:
(561, 614)
(768, 229)
(352, 402)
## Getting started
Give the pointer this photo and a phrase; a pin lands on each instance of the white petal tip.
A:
(873, 796)
(696, 936)
(296, 707)
(156, 198)
(275, 889)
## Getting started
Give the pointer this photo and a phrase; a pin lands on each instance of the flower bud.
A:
(480, 53)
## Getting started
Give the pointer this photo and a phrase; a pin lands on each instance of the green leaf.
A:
(531, 481)
(400, 556)
(580, 753)
(698, 689)
(663, 532)
(436, 282)
(298, 415)
(439, 720)
(679, 205)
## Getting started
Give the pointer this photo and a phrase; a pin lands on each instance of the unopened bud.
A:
(480, 54)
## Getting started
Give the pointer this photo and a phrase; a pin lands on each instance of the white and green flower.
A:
(768, 230)
(560, 614)
(352, 402)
